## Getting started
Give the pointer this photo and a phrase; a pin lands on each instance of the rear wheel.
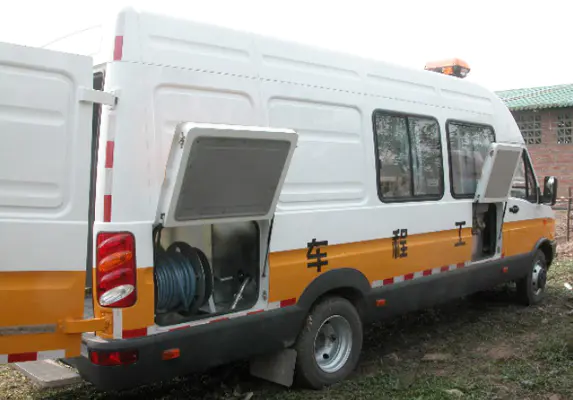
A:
(329, 346)
(531, 288)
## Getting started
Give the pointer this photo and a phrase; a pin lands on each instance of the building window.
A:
(530, 126)
(564, 132)
(468, 145)
(408, 156)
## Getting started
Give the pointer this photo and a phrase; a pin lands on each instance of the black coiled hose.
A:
(182, 278)
(176, 281)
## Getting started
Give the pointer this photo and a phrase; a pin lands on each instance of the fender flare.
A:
(335, 279)
(544, 242)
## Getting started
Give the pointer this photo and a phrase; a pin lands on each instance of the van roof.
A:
(156, 39)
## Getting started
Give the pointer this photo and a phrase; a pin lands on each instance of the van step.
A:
(48, 374)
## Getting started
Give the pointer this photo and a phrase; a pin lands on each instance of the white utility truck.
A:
(189, 195)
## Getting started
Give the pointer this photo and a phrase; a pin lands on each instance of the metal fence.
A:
(566, 203)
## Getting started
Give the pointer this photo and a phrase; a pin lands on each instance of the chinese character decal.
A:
(400, 243)
(316, 258)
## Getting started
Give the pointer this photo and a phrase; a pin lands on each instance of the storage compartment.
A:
(485, 230)
(491, 196)
(221, 187)
(206, 270)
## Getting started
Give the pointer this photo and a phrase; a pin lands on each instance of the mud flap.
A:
(276, 368)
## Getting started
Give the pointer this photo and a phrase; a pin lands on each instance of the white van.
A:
(234, 196)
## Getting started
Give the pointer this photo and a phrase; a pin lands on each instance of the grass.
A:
(486, 347)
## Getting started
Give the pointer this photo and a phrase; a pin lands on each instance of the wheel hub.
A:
(333, 343)
(538, 278)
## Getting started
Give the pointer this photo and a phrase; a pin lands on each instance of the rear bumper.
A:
(201, 347)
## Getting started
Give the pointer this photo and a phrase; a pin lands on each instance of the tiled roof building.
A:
(545, 118)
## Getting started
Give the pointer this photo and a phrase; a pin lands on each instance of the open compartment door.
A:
(45, 157)
(499, 167)
(223, 173)
(490, 201)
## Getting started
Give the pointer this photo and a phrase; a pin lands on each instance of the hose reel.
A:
(183, 278)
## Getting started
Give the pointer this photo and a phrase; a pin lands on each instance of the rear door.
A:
(45, 156)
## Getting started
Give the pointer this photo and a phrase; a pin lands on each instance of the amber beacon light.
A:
(454, 67)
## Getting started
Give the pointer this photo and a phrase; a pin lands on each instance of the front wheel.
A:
(329, 346)
(531, 288)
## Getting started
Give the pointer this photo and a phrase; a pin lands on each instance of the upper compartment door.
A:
(223, 173)
(45, 155)
(499, 167)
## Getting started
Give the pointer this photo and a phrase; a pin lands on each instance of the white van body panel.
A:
(44, 189)
(185, 71)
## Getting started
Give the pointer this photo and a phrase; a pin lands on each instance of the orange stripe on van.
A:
(27, 344)
(29, 298)
(40, 297)
(521, 236)
(290, 274)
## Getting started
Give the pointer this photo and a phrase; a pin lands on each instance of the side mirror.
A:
(549, 190)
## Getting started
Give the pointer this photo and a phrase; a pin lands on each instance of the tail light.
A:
(112, 358)
(116, 269)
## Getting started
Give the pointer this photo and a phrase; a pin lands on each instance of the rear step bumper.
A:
(201, 347)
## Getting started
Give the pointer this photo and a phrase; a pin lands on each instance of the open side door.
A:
(45, 155)
(223, 173)
(491, 196)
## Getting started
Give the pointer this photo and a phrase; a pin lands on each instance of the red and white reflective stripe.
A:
(281, 304)
(118, 48)
(108, 180)
(133, 333)
(35, 356)
(117, 323)
(418, 274)
(155, 329)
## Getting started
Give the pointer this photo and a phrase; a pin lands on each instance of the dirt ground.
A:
(485, 347)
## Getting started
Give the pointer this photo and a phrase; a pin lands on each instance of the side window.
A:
(524, 185)
(468, 144)
(409, 157)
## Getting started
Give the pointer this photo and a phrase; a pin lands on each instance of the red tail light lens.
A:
(113, 358)
(116, 269)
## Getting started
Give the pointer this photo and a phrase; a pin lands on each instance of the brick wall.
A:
(549, 157)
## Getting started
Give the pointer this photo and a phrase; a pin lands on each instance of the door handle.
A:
(514, 209)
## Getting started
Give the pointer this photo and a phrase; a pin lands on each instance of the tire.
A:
(531, 288)
(338, 318)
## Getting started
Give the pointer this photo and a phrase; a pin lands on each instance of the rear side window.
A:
(468, 145)
(408, 157)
